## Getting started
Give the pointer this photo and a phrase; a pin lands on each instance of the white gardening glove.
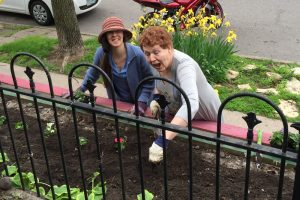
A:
(155, 108)
(155, 153)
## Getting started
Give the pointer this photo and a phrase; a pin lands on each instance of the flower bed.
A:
(263, 182)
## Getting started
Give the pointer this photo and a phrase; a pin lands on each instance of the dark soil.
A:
(263, 181)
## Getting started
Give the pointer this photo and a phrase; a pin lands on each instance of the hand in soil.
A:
(155, 153)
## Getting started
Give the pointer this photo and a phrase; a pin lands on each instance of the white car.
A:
(41, 10)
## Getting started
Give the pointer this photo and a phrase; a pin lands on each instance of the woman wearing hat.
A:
(124, 63)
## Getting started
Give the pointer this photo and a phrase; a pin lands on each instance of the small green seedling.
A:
(2, 120)
(82, 141)
(148, 195)
(79, 96)
(5, 157)
(50, 129)
(19, 126)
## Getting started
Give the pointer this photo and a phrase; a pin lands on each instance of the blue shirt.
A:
(137, 69)
(119, 78)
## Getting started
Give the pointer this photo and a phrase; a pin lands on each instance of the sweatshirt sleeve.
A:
(92, 73)
(186, 75)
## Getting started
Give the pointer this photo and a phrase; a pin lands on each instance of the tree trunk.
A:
(68, 32)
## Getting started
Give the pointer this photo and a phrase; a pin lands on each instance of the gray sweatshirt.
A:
(186, 73)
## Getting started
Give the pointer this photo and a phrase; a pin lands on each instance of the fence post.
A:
(296, 193)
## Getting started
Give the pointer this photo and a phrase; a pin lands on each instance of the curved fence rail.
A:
(93, 110)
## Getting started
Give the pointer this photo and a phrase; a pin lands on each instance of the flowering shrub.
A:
(50, 129)
(197, 35)
(123, 140)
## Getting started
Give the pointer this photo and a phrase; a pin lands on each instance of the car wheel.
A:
(41, 13)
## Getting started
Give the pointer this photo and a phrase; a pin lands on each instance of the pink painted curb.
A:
(209, 126)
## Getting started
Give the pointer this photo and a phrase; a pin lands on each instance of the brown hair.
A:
(104, 60)
(156, 35)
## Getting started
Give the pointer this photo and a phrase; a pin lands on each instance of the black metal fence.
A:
(218, 139)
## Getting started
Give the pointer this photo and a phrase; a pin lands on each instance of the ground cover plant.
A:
(232, 167)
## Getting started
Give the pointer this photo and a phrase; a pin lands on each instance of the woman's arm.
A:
(186, 76)
(177, 121)
(92, 73)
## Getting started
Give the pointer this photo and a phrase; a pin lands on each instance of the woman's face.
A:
(115, 38)
(159, 58)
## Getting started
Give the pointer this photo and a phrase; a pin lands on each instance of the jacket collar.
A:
(131, 54)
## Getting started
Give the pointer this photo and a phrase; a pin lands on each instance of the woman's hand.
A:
(142, 106)
(155, 109)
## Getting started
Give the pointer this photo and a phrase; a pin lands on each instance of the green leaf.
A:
(83, 141)
(259, 137)
(148, 195)
(12, 170)
(60, 190)
(91, 196)
(2, 120)
(42, 191)
(19, 126)
(97, 190)
(276, 139)
(80, 196)
(5, 156)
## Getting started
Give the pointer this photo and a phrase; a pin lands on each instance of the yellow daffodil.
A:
(232, 35)
(187, 26)
(139, 25)
(155, 16)
(227, 24)
(163, 22)
(163, 11)
(142, 18)
(170, 20)
(213, 18)
(189, 33)
(170, 29)
(191, 12)
(218, 22)
(211, 26)
(213, 34)
(229, 39)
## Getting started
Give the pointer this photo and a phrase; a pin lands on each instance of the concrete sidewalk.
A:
(61, 80)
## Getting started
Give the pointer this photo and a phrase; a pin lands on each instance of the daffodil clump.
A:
(188, 24)
(196, 34)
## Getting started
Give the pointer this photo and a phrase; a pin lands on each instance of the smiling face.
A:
(115, 38)
(160, 58)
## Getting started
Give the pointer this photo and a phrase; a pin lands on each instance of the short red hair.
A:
(156, 35)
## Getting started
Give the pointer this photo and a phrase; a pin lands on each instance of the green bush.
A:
(210, 53)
